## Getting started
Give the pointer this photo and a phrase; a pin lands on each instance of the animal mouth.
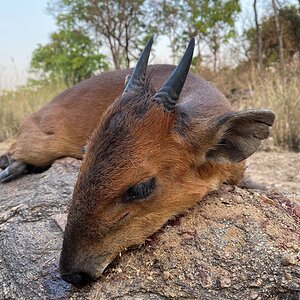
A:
(104, 265)
(90, 273)
(122, 219)
(92, 267)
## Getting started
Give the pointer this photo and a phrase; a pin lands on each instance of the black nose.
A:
(77, 279)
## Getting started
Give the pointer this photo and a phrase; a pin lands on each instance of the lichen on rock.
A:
(234, 244)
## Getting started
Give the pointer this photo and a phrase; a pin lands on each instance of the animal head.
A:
(147, 161)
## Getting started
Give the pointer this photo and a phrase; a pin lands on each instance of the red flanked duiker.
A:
(159, 148)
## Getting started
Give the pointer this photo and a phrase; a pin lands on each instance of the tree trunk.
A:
(278, 32)
(199, 57)
(259, 60)
(116, 59)
(215, 47)
(215, 60)
(173, 48)
(126, 48)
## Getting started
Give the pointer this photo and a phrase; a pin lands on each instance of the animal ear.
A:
(238, 135)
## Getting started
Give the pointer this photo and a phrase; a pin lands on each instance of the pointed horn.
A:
(170, 91)
(138, 76)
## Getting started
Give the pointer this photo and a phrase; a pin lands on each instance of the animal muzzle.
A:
(78, 278)
(82, 270)
(79, 274)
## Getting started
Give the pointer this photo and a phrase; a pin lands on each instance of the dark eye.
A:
(140, 190)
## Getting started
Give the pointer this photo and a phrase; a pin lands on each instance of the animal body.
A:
(168, 139)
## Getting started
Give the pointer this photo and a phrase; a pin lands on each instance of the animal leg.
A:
(5, 161)
(248, 183)
(13, 171)
(241, 180)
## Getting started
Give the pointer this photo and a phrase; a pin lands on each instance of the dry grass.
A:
(278, 90)
(274, 89)
(281, 93)
(16, 105)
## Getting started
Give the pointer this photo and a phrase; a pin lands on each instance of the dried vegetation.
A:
(276, 89)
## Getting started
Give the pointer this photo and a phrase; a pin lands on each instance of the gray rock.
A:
(235, 244)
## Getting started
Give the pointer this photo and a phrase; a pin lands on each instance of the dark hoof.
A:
(13, 171)
(5, 161)
(248, 183)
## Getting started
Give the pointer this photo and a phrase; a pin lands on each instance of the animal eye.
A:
(140, 190)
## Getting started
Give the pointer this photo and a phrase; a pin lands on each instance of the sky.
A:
(25, 23)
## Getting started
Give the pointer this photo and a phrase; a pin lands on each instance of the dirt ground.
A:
(275, 169)
(279, 170)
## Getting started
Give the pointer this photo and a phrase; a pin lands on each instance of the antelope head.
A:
(148, 160)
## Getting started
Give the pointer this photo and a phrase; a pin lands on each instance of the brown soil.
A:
(279, 170)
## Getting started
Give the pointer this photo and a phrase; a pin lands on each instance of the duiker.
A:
(158, 149)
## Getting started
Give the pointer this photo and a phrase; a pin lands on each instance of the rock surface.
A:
(235, 244)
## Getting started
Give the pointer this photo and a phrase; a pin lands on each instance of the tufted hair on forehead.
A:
(112, 144)
(138, 102)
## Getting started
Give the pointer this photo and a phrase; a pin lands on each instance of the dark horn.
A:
(137, 79)
(170, 91)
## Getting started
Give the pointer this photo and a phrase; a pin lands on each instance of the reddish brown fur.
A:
(188, 152)
(63, 126)
(98, 223)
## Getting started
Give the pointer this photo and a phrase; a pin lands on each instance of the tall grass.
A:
(278, 90)
(275, 89)
(15, 105)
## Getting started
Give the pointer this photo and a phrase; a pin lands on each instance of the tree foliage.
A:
(210, 21)
(123, 25)
(289, 18)
(70, 56)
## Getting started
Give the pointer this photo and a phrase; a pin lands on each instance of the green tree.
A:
(170, 14)
(211, 22)
(124, 26)
(70, 56)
